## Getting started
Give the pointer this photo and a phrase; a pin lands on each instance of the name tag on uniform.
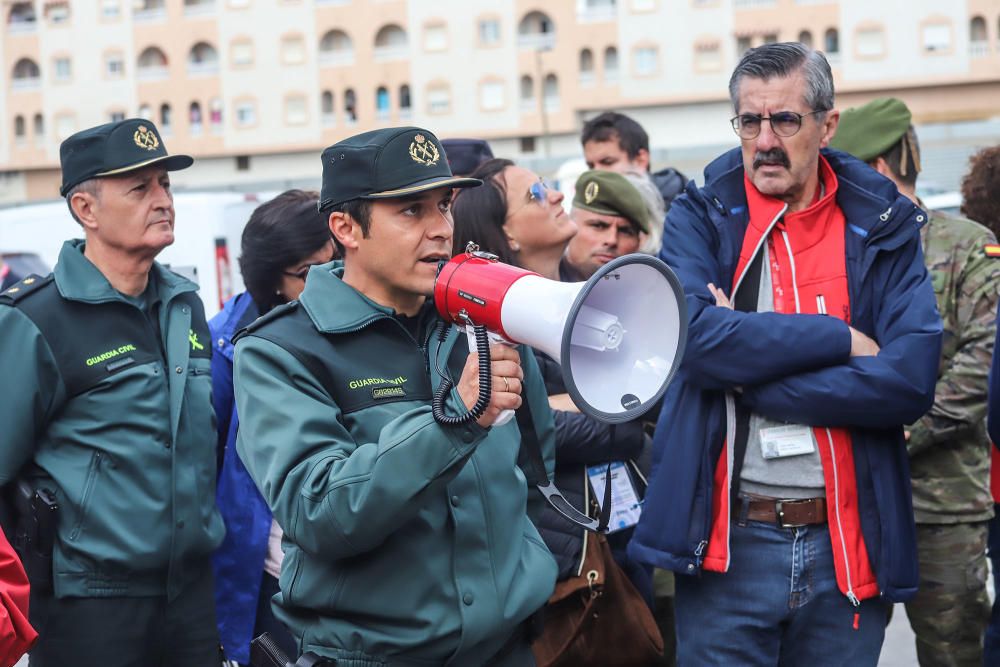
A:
(625, 506)
(778, 442)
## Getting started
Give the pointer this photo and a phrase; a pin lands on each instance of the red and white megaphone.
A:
(619, 337)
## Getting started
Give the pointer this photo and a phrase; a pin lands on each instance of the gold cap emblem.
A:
(424, 152)
(590, 192)
(13, 290)
(143, 138)
(28, 281)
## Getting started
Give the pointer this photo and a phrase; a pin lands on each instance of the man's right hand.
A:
(505, 364)
(862, 345)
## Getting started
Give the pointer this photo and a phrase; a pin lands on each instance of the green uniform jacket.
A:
(125, 436)
(949, 449)
(406, 543)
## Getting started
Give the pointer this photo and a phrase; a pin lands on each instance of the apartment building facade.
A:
(256, 88)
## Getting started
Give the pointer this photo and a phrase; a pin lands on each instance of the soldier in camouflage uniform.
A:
(949, 449)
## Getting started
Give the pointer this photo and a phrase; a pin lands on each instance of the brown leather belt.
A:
(785, 513)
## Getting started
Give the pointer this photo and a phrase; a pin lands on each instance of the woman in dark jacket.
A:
(282, 240)
(518, 217)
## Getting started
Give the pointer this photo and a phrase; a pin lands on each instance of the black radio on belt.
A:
(36, 532)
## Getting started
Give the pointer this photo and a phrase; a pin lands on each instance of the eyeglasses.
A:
(783, 123)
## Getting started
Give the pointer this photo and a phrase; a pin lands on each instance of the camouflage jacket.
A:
(949, 449)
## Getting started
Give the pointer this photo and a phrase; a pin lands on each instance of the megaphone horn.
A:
(618, 337)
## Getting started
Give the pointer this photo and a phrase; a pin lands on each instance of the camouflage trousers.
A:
(951, 608)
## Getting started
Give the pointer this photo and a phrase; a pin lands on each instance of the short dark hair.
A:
(614, 126)
(479, 213)
(783, 59)
(280, 233)
(905, 151)
(91, 186)
(360, 211)
(980, 187)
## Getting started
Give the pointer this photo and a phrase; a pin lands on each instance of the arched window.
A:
(536, 30)
(404, 99)
(586, 65)
(806, 38)
(527, 89)
(165, 117)
(977, 29)
(390, 39)
(326, 103)
(550, 92)
(39, 125)
(350, 106)
(831, 41)
(202, 56)
(19, 127)
(382, 103)
(22, 13)
(336, 47)
(194, 117)
(26, 69)
(152, 58)
(611, 64)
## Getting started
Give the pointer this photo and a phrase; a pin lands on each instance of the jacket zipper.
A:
(88, 488)
(840, 527)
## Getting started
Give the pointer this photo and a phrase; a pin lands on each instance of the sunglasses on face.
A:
(783, 123)
(539, 191)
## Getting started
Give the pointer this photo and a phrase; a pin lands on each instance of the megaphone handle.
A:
(470, 336)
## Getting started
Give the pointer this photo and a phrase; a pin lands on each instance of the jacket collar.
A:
(333, 305)
(79, 280)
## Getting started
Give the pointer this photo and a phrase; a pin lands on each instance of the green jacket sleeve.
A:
(534, 391)
(960, 393)
(333, 496)
(32, 386)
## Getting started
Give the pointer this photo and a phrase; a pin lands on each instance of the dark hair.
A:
(980, 187)
(280, 233)
(903, 158)
(783, 59)
(360, 210)
(479, 213)
(614, 126)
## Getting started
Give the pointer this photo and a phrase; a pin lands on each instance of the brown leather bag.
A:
(598, 618)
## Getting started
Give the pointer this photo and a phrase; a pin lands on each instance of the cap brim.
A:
(429, 184)
(170, 162)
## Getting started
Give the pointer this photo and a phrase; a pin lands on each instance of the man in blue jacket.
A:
(780, 480)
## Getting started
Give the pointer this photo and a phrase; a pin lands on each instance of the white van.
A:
(207, 234)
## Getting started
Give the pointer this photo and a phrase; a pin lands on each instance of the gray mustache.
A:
(776, 156)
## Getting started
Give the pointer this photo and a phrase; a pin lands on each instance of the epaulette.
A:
(26, 286)
(991, 249)
(270, 316)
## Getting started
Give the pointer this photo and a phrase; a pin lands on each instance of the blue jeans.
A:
(778, 605)
(991, 643)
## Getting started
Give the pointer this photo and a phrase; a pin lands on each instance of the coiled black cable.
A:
(485, 380)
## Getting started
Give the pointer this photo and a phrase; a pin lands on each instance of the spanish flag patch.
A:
(992, 249)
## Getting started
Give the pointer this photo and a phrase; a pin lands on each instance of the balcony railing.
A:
(152, 73)
(336, 58)
(979, 49)
(597, 14)
(200, 9)
(387, 53)
(753, 4)
(203, 69)
(536, 40)
(26, 83)
(150, 15)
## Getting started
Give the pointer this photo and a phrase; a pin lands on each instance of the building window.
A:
(165, 118)
(295, 110)
(152, 63)
(936, 37)
(770, 38)
(611, 64)
(20, 130)
(57, 13)
(404, 100)
(436, 37)
(114, 65)
(806, 38)
(21, 16)
(870, 42)
(198, 6)
(527, 93)
(382, 103)
(438, 99)
(743, 44)
(293, 50)
(596, 10)
(527, 144)
(336, 48)
(646, 60)
(586, 66)
(26, 74)
(550, 93)
(215, 115)
(978, 39)
(831, 41)
(326, 108)
(242, 163)
(246, 113)
(62, 68)
(39, 125)
(491, 95)
(350, 107)
(707, 57)
(149, 10)
(194, 118)
(203, 59)
(390, 43)
(489, 32)
(65, 125)
(241, 53)
(116, 116)
(110, 9)
(536, 31)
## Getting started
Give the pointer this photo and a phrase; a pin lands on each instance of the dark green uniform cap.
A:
(868, 131)
(112, 149)
(610, 193)
(392, 162)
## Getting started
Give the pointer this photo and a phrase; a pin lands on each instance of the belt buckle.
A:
(779, 513)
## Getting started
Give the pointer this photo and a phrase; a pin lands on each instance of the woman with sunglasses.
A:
(517, 217)
(283, 239)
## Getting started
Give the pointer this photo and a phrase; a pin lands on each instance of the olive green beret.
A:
(871, 129)
(610, 193)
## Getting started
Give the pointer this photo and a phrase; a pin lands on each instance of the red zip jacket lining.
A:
(808, 275)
